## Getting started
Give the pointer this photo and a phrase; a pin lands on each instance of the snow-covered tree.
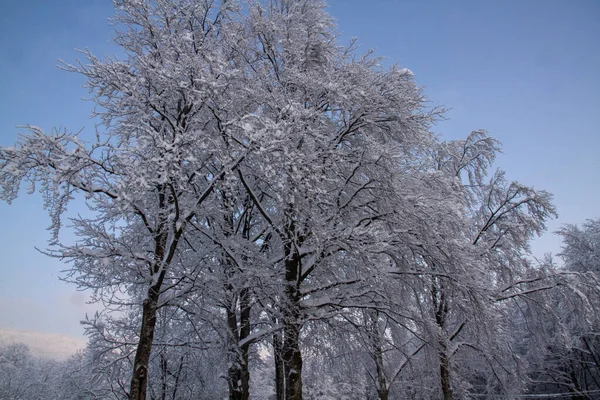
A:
(570, 327)
(331, 127)
(154, 163)
(581, 247)
(24, 376)
(255, 183)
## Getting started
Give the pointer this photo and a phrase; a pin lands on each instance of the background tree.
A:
(568, 331)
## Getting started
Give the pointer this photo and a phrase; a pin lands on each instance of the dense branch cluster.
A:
(273, 217)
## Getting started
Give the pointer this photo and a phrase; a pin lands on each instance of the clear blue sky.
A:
(525, 70)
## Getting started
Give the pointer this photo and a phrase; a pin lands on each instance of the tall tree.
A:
(330, 126)
(154, 165)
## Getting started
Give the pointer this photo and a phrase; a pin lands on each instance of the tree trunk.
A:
(292, 357)
(383, 394)
(377, 349)
(245, 348)
(292, 360)
(438, 295)
(233, 373)
(164, 375)
(445, 373)
(239, 374)
(139, 379)
(142, 355)
(278, 358)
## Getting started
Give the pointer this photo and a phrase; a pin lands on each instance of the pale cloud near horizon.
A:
(43, 344)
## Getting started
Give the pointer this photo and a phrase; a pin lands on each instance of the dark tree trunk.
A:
(233, 373)
(441, 311)
(292, 361)
(239, 374)
(245, 308)
(445, 373)
(245, 348)
(292, 357)
(278, 358)
(164, 375)
(163, 257)
(142, 355)
(383, 394)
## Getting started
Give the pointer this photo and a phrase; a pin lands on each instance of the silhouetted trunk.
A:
(142, 355)
(234, 378)
(239, 329)
(239, 374)
(279, 374)
(292, 357)
(383, 394)
(441, 311)
(245, 348)
(164, 375)
(163, 257)
(445, 373)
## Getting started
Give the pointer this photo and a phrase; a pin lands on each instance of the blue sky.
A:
(525, 70)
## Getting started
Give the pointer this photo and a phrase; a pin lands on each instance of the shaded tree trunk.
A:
(292, 357)
(441, 311)
(377, 355)
(445, 373)
(278, 358)
(383, 393)
(239, 304)
(163, 257)
(164, 375)
(245, 348)
(142, 355)
(238, 373)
